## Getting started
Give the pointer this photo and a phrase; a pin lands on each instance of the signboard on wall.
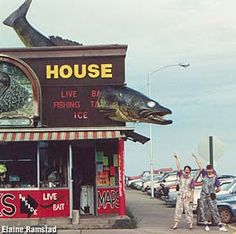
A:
(70, 79)
(74, 106)
(34, 203)
(108, 200)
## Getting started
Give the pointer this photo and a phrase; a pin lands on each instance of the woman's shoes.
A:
(175, 227)
(190, 226)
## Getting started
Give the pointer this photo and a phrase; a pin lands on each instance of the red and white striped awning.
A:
(16, 136)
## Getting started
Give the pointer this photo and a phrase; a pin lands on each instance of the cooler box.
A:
(87, 200)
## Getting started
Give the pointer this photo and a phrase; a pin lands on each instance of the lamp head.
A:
(184, 65)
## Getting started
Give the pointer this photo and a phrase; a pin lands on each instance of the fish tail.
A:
(19, 13)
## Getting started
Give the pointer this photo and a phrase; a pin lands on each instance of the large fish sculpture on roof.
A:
(128, 105)
(28, 34)
(116, 103)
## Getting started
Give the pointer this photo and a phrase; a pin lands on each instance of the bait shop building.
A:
(59, 156)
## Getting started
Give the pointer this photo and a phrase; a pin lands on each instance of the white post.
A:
(150, 125)
(151, 145)
(38, 166)
(70, 180)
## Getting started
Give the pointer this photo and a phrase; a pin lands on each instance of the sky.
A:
(202, 97)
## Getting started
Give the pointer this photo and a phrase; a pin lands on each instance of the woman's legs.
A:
(188, 210)
(178, 210)
(203, 208)
(214, 211)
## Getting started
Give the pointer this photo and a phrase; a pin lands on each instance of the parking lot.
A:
(155, 217)
(165, 188)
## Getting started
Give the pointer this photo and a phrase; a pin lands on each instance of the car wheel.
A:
(225, 214)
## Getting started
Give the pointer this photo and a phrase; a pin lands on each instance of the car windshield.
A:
(157, 177)
(227, 186)
(148, 178)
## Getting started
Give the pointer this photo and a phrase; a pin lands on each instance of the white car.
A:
(147, 181)
(168, 179)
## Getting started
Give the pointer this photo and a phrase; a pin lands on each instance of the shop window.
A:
(53, 165)
(107, 165)
(20, 94)
(18, 165)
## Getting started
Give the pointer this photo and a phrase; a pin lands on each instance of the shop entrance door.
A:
(83, 175)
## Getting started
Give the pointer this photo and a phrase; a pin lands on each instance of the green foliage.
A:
(129, 223)
(133, 223)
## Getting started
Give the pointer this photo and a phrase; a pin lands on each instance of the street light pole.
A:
(150, 125)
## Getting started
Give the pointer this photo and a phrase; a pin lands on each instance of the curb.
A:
(233, 228)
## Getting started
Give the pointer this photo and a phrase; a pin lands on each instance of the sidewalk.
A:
(153, 216)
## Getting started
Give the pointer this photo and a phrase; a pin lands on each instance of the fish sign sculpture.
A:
(121, 104)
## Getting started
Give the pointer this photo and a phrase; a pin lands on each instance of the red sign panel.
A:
(34, 204)
(108, 200)
(73, 106)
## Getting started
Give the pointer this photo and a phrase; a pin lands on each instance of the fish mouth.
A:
(156, 117)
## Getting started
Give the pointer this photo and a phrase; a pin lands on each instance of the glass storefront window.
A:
(107, 164)
(18, 165)
(53, 164)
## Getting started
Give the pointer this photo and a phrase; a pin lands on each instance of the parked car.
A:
(147, 181)
(226, 203)
(129, 182)
(226, 177)
(171, 198)
(135, 183)
(169, 178)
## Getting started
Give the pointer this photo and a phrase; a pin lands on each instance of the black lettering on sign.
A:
(108, 198)
(9, 209)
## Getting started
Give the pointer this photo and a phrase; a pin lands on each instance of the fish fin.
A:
(107, 112)
(19, 13)
(59, 41)
(104, 109)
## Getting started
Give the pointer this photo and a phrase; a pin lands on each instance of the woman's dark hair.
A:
(209, 167)
(188, 168)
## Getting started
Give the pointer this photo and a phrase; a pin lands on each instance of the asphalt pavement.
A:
(153, 216)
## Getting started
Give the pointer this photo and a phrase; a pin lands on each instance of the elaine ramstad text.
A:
(29, 229)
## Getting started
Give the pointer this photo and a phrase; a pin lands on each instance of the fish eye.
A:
(151, 104)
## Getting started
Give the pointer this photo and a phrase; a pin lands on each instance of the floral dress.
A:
(184, 198)
(207, 198)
